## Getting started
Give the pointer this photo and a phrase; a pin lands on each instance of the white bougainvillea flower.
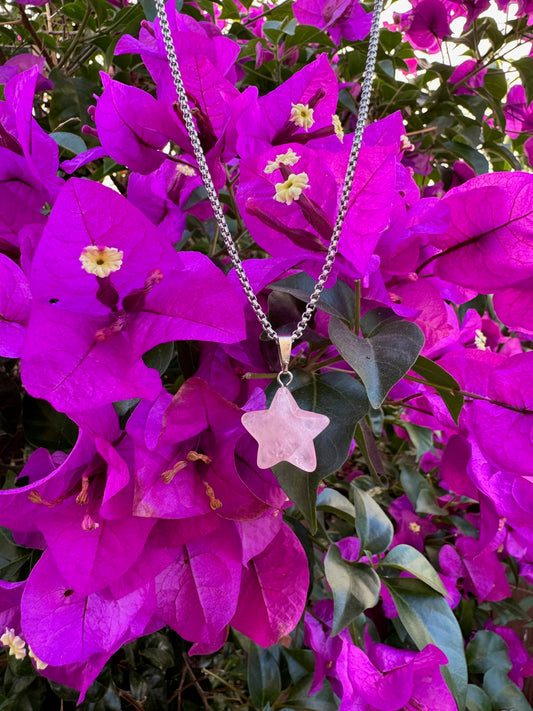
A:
(302, 116)
(292, 188)
(288, 158)
(39, 664)
(17, 646)
(101, 261)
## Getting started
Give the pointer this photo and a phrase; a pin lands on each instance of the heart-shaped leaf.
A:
(382, 359)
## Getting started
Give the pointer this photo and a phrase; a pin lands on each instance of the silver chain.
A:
(364, 105)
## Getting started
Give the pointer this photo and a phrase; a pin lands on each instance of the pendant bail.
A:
(284, 350)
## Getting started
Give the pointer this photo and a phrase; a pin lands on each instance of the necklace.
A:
(284, 432)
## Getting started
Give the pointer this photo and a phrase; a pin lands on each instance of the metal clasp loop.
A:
(284, 350)
(289, 378)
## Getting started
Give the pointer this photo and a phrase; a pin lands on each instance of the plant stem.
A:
(39, 44)
(226, 683)
(357, 306)
(197, 686)
(77, 38)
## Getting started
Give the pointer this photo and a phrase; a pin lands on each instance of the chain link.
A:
(364, 105)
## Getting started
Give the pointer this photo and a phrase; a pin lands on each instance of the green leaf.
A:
(405, 557)
(487, 650)
(472, 156)
(229, 10)
(421, 437)
(334, 502)
(300, 662)
(503, 693)
(264, 678)
(428, 619)
(373, 526)
(299, 698)
(72, 142)
(477, 699)
(70, 99)
(367, 446)
(338, 300)
(12, 558)
(307, 34)
(489, 27)
(159, 357)
(343, 400)
(443, 383)
(375, 318)
(74, 10)
(382, 359)
(420, 492)
(160, 658)
(504, 611)
(45, 427)
(524, 66)
(355, 588)
(494, 82)
(377, 421)
(149, 8)
(501, 151)
(496, 106)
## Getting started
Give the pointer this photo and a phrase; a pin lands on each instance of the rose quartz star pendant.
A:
(285, 432)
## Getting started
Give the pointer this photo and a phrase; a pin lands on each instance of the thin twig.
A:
(40, 46)
(201, 692)
(227, 683)
(77, 37)
(130, 700)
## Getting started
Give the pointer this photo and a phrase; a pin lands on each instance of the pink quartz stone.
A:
(285, 432)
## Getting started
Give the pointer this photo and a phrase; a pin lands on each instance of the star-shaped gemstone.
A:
(285, 432)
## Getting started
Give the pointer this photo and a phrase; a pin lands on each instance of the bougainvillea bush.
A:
(146, 560)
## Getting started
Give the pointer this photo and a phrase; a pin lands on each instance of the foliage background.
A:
(77, 41)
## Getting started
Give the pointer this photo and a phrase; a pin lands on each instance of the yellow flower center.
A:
(480, 340)
(289, 158)
(405, 143)
(292, 188)
(415, 527)
(101, 261)
(302, 116)
(185, 169)
(337, 125)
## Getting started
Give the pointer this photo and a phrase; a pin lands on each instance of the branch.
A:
(40, 46)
